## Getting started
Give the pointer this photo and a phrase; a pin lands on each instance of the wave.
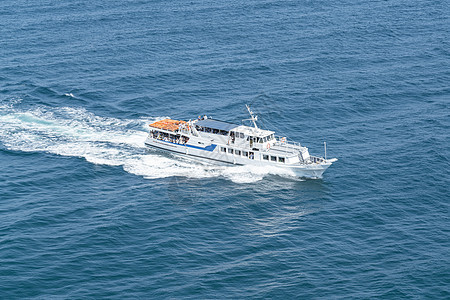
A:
(70, 131)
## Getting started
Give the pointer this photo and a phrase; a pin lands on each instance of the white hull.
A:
(212, 154)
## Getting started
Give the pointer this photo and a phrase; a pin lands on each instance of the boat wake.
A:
(69, 131)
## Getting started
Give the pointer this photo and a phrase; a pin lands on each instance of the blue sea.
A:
(88, 212)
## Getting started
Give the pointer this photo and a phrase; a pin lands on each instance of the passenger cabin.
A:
(169, 130)
(238, 135)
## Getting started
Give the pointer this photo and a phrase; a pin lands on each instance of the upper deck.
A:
(225, 127)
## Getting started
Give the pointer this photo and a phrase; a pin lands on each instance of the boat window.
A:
(245, 153)
(230, 150)
(266, 157)
(242, 135)
(223, 149)
(215, 131)
(273, 158)
(237, 152)
(251, 155)
(281, 159)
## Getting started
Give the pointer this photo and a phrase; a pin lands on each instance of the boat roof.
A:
(222, 125)
(252, 131)
(167, 124)
(216, 124)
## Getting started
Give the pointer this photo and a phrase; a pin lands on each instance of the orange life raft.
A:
(167, 124)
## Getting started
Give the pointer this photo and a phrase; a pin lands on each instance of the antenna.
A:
(254, 118)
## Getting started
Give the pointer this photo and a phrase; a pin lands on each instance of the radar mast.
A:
(253, 118)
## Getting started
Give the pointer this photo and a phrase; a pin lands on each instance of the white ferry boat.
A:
(223, 142)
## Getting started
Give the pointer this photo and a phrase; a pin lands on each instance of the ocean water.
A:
(86, 211)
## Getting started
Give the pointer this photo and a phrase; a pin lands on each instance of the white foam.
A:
(10, 103)
(75, 132)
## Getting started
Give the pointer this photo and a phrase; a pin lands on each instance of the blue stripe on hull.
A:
(189, 154)
(209, 148)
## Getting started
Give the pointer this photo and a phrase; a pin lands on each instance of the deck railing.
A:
(284, 142)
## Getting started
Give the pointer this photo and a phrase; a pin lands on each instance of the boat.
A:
(222, 142)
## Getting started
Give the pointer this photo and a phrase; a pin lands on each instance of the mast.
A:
(254, 118)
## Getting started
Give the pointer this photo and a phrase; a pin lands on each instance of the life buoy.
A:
(268, 146)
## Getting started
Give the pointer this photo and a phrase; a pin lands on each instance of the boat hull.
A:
(312, 171)
(211, 155)
(182, 154)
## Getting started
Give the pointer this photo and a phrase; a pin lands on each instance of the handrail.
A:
(286, 142)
